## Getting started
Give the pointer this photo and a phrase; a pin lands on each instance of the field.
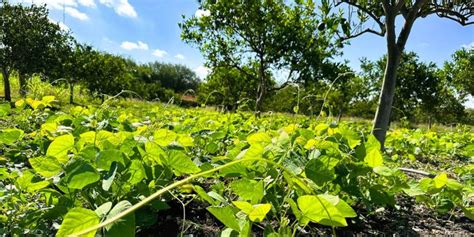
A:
(71, 169)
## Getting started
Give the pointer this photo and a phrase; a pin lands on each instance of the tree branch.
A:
(368, 30)
(409, 20)
(365, 10)
(457, 16)
(400, 4)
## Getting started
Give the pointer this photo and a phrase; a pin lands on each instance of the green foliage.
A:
(78, 219)
(460, 71)
(82, 166)
(28, 38)
(422, 91)
(256, 38)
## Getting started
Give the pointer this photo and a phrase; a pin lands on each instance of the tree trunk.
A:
(71, 93)
(382, 116)
(22, 79)
(6, 84)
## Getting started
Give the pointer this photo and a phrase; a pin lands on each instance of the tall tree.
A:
(460, 71)
(266, 36)
(27, 39)
(422, 92)
(384, 13)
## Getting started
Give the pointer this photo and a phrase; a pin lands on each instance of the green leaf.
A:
(185, 140)
(440, 180)
(106, 157)
(468, 212)
(319, 172)
(384, 171)
(136, 171)
(261, 138)
(103, 209)
(352, 137)
(154, 153)
(9, 136)
(4, 109)
(249, 190)
(46, 166)
(123, 227)
(226, 216)
(414, 190)
(454, 185)
(109, 177)
(259, 212)
(373, 157)
(76, 220)
(164, 137)
(60, 146)
(341, 205)
(204, 195)
(320, 210)
(243, 206)
(80, 174)
(180, 162)
(254, 151)
(47, 100)
(28, 182)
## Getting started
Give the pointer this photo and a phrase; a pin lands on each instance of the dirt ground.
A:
(409, 220)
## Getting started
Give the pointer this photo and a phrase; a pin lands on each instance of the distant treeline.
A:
(33, 45)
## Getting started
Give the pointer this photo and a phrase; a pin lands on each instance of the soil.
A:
(409, 220)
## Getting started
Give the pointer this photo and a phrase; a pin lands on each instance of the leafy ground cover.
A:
(75, 170)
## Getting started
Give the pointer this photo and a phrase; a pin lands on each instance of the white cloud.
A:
(468, 46)
(127, 45)
(62, 26)
(76, 13)
(54, 4)
(202, 71)
(179, 56)
(121, 7)
(200, 13)
(87, 3)
(159, 53)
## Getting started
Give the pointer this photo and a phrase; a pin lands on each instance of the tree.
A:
(421, 92)
(227, 87)
(173, 76)
(27, 39)
(384, 13)
(266, 36)
(460, 71)
(73, 64)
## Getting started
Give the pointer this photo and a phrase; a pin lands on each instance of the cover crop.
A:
(79, 170)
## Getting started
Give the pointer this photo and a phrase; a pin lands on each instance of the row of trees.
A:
(425, 93)
(261, 38)
(30, 44)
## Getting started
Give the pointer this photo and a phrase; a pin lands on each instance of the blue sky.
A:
(138, 28)
(147, 30)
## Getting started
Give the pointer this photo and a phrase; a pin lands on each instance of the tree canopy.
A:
(28, 39)
(259, 38)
